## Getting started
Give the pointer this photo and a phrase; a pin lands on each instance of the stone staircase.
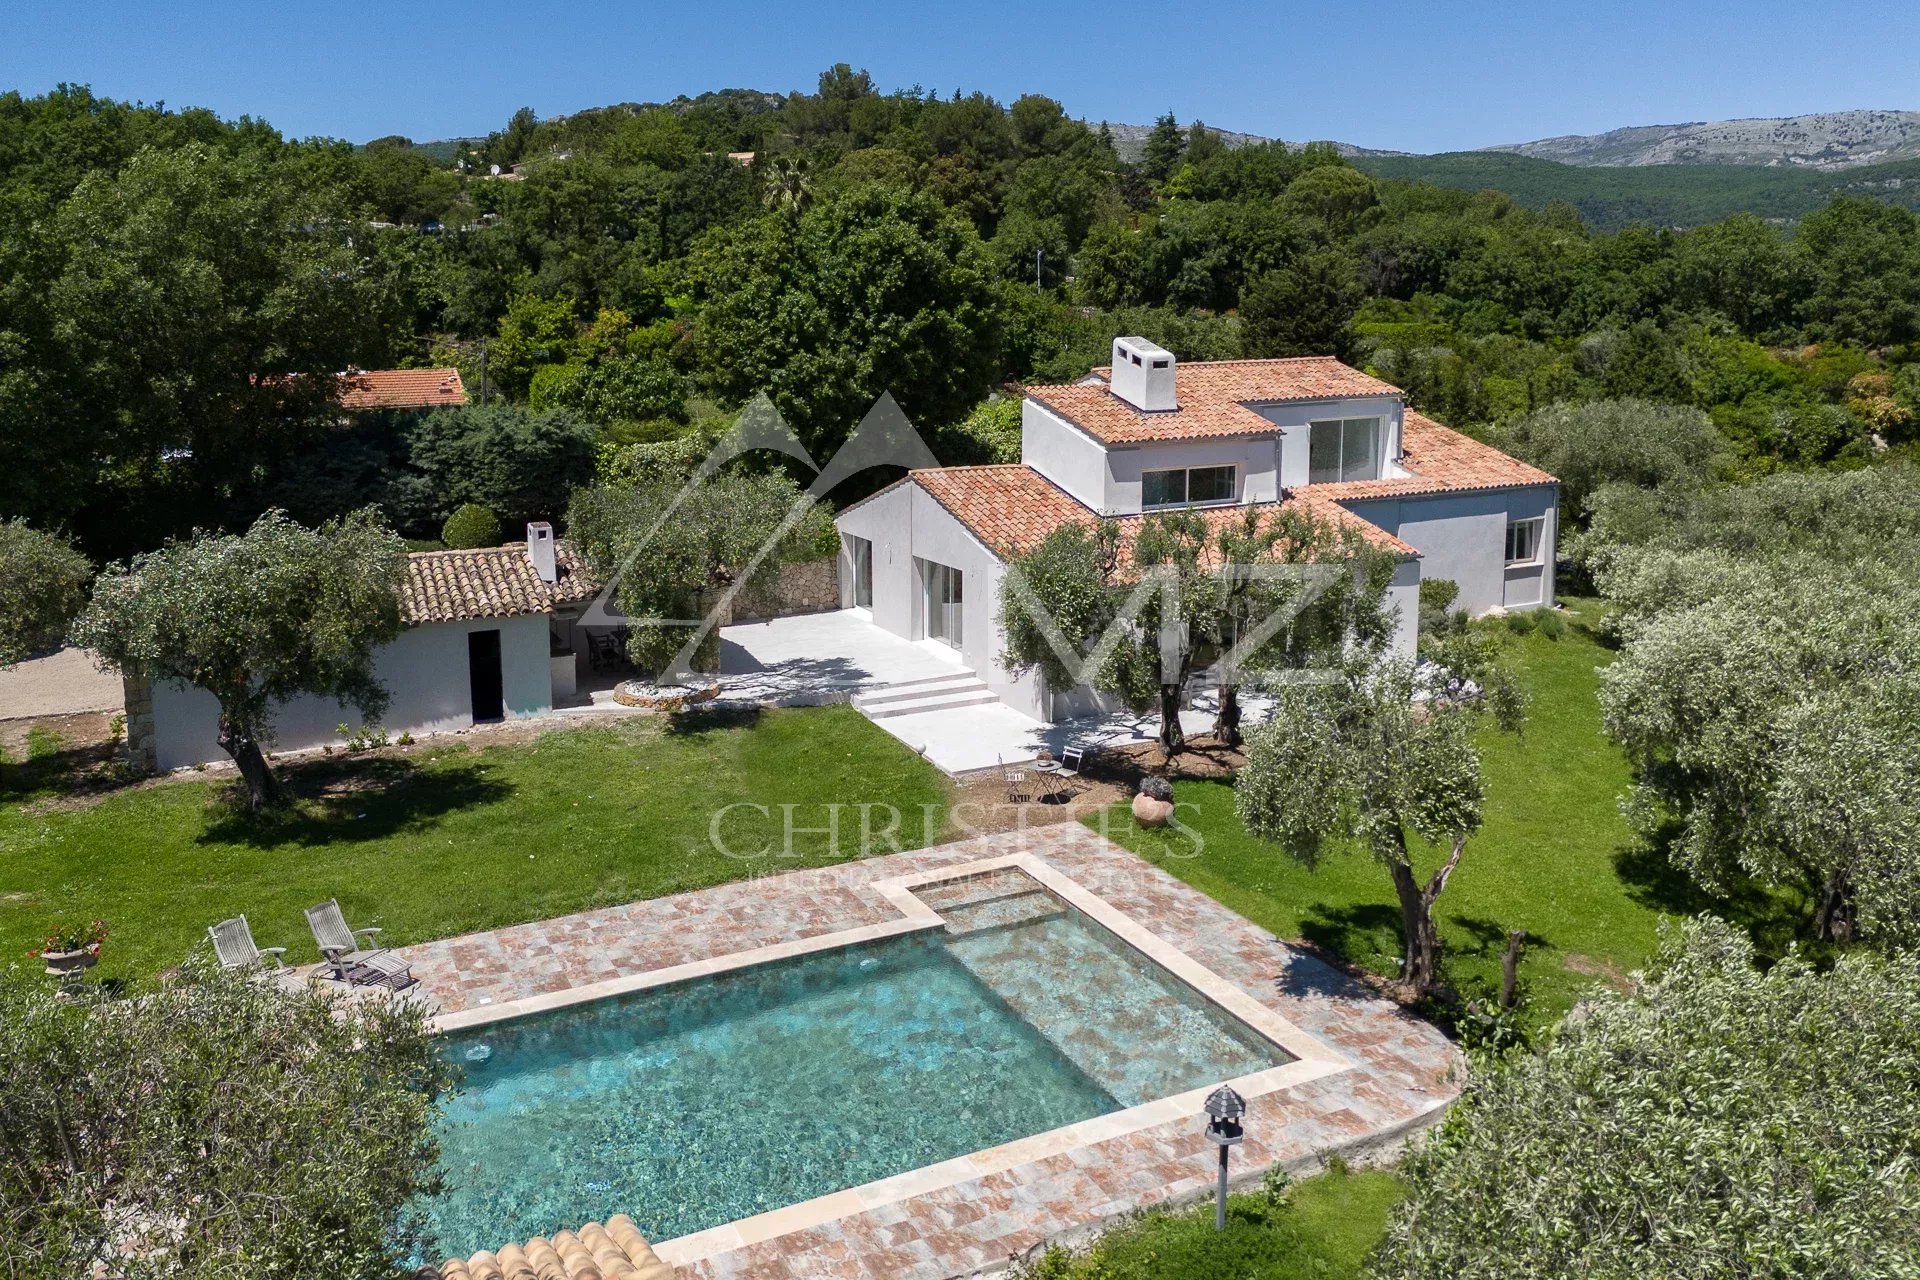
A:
(931, 693)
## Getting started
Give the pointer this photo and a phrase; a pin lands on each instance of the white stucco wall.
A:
(1064, 454)
(1296, 417)
(1463, 536)
(1253, 458)
(906, 524)
(425, 669)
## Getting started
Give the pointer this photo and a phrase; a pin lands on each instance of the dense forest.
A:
(614, 283)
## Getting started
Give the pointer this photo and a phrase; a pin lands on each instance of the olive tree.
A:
(43, 584)
(671, 544)
(1772, 708)
(1715, 1122)
(1637, 442)
(1379, 756)
(211, 1126)
(256, 619)
(1137, 608)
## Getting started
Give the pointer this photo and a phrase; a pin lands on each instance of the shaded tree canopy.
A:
(1715, 1121)
(255, 619)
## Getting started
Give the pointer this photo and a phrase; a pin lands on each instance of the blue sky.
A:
(1421, 77)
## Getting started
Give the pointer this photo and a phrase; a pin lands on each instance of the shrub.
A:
(1549, 623)
(206, 1128)
(471, 526)
(43, 584)
(1437, 598)
(1156, 788)
(1715, 1122)
(1522, 623)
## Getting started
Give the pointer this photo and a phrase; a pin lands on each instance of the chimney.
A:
(540, 550)
(1143, 375)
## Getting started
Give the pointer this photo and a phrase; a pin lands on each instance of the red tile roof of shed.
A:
(489, 582)
(401, 388)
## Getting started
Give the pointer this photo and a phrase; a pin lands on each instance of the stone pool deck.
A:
(1397, 1074)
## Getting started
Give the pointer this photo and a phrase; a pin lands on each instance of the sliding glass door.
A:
(944, 597)
(860, 551)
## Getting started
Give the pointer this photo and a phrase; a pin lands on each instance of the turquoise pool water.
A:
(693, 1105)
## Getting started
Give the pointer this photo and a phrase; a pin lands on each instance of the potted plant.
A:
(73, 948)
(1154, 805)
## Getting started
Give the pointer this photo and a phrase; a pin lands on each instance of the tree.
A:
(673, 543)
(1716, 1121)
(535, 331)
(1337, 197)
(877, 289)
(1203, 144)
(1305, 308)
(520, 464)
(43, 585)
(789, 186)
(1603, 442)
(1771, 704)
(471, 526)
(256, 619)
(1134, 608)
(1380, 754)
(1164, 146)
(212, 1126)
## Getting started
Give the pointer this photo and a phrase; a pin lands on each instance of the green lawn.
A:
(445, 839)
(1554, 857)
(1323, 1231)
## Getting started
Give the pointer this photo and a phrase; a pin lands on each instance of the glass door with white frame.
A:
(860, 550)
(944, 598)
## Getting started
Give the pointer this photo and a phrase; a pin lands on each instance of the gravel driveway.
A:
(59, 684)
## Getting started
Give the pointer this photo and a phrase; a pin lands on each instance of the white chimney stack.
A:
(540, 551)
(1143, 374)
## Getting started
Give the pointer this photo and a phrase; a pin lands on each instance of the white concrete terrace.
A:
(817, 658)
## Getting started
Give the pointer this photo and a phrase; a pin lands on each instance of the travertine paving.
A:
(1402, 1072)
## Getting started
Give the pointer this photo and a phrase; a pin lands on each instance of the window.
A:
(861, 551)
(1344, 449)
(1523, 540)
(1187, 486)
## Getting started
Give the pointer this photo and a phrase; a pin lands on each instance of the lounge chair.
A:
(233, 943)
(351, 963)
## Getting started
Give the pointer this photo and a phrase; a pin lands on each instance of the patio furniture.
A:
(603, 654)
(233, 943)
(1071, 761)
(1015, 781)
(341, 946)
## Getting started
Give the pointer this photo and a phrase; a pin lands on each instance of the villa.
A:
(924, 558)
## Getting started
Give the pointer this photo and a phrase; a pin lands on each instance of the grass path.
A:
(446, 838)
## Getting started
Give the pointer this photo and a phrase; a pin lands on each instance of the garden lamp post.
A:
(1224, 1109)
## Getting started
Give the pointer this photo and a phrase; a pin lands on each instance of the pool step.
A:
(1001, 912)
(934, 693)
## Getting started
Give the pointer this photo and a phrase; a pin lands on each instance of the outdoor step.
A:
(931, 702)
(893, 693)
(926, 683)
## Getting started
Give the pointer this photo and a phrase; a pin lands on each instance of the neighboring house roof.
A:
(1443, 461)
(491, 582)
(401, 389)
(1213, 396)
(1011, 507)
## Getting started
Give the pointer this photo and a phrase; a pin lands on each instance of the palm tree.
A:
(789, 188)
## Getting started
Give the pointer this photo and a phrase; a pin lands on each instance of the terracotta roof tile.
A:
(401, 389)
(1213, 396)
(1442, 461)
(1011, 507)
(616, 1251)
(491, 582)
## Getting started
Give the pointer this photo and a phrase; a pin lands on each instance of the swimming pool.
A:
(695, 1104)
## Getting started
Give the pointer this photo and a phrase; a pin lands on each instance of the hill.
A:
(1670, 195)
(1829, 140)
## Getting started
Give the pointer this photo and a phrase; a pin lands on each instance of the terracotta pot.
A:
(1149, 812)
(68, 964)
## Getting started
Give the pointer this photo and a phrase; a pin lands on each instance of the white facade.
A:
(1497, 544)
(911, 535)
(425, 668)
(1463, 537)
